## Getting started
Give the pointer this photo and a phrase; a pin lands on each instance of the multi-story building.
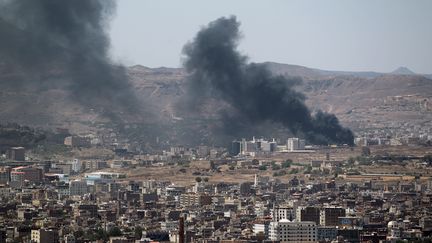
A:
(96, 165)
(262, 228)
(194, 199)
(90, 210)
(308, 214)
(76, 141)
(31, 174)
(76, 165)
(279, 213)
(5, 175)
(45, 236)
(78, 187)
(295, 144)
(330, 216)
(16, 153)
(253, 146)
(65, 168)
(327, 233)
(293, 231)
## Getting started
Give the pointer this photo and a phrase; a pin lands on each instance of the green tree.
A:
(294, 171)
(275, 167)
(138, 232)
(115, 231)
(287, 163)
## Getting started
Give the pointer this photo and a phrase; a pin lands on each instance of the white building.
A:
(262, 228)
(295, 144)
(394, 231)
(283, 212)
(78, 187)
(170, 226)
(292, 231)
(76, 165)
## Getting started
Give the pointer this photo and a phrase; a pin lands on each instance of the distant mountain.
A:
(361, 100)
(313, 73)
(403, 71)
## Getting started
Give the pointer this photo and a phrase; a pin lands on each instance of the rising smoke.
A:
(218, 70)
(64, 44)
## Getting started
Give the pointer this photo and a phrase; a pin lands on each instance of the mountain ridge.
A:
(359, 100)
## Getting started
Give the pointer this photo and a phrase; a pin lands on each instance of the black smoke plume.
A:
(55, 43)
(218, 70)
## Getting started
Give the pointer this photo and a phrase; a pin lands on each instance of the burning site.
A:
(229, 121)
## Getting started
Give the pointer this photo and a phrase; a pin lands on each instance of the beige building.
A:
(45, 236)
(292, 231)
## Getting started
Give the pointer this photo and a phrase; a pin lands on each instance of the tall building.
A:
(281, 212)
(5, 175)
(292, 231)
(246, 188)
(235, 148)
(78, 188)
(245, 147)
(295, 144)
(31, 174)
(330, 216)
(76, 165)
(308, 214)
(16, 153)
(45, 236)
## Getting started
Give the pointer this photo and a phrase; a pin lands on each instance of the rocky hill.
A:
(364, 101)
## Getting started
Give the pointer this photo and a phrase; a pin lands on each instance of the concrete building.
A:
(262, 228)
(31, 174)
(78, 188)
(96, 165)
(65, 168)
(194, 199)
(76, 165)
(330, 216)
(295, 144)
(45, 236)
(279, 213)
(16, 153)
(5, 175)
(77, 141)
(308, 214)
(292, 231)
(327, 233)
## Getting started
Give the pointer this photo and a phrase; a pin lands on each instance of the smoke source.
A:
(64, 44)
(218, 70)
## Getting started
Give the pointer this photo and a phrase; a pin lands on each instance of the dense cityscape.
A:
(244, 121)
(294, 193)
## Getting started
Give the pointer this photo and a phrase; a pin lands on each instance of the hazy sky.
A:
(376, 35)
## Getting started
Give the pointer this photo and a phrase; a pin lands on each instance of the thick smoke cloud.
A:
(55, 43)
(218, 70)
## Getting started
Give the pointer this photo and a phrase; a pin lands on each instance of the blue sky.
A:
(348, 35)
